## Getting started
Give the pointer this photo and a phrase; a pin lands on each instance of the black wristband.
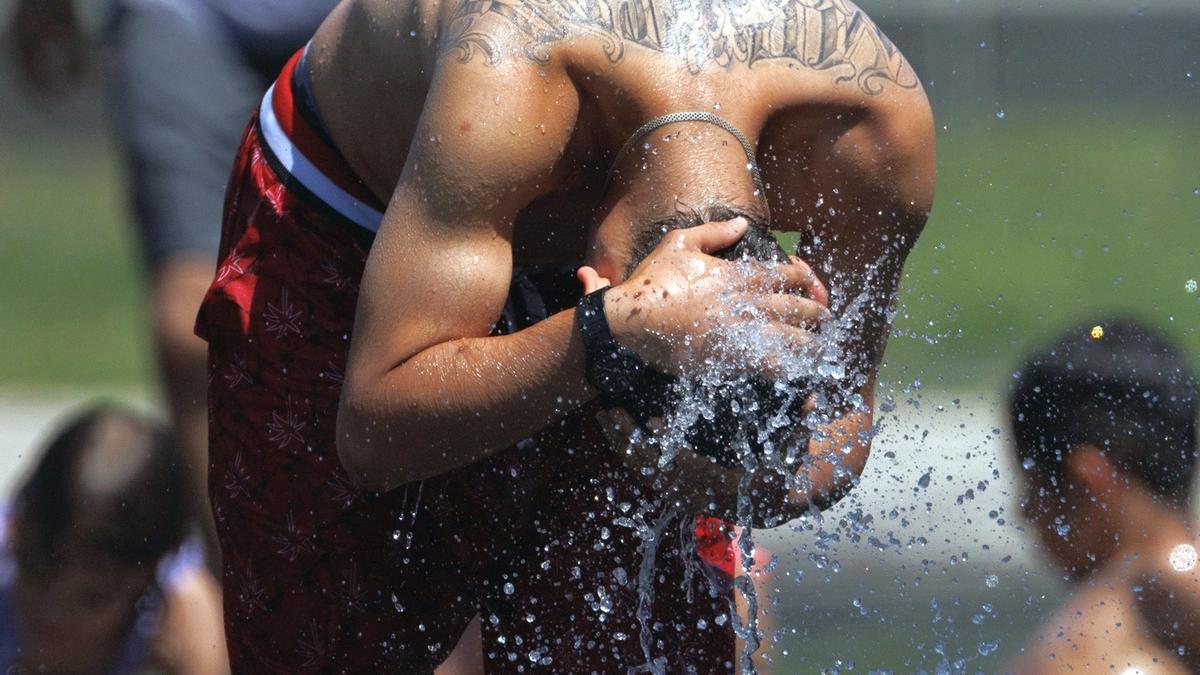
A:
(611, 368)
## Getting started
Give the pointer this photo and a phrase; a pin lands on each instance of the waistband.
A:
(295, 139)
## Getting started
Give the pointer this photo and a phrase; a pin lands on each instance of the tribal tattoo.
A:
(821, 35)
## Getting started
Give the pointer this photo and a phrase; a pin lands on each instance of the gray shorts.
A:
(181, 97)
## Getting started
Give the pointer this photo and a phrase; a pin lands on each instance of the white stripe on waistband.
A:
(304, 171)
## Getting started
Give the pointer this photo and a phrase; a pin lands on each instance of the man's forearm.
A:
(460, 401)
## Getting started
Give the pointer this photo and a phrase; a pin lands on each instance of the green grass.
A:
(946, 621)
(71, 305)
(1043, 218)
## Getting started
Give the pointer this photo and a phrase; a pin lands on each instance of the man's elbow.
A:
(362, 454)
(838, 467)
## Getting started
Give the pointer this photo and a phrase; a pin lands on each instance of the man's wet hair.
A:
(1128, 392)
(757, 244)
(109, 482)
(739, 407)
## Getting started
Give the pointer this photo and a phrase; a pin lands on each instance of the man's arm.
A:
(427, 389)
(868, 187)
(425, 383)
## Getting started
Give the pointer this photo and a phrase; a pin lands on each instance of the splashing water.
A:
(651, 536)
(769, 446)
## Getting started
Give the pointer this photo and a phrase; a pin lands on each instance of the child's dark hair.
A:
(109, 481)
(1127, 392)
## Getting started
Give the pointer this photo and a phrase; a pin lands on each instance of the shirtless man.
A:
(1107, 432)
(455, 140)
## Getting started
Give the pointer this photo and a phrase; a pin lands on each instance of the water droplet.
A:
(1061, 528)
(1190, 286)
(509, 589)
(1027, 464)
(987, 648)
(1097, 332)
(1000, 114)
(991, 581)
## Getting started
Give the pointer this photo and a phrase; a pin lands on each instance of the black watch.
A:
(613, 369)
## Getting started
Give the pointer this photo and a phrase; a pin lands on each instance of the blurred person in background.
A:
(1105, 430)
(187, 74)
(95, 573)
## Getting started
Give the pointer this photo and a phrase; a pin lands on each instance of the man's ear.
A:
(1089, 467)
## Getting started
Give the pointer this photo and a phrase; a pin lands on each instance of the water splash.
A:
(770, 444)
(651, 536)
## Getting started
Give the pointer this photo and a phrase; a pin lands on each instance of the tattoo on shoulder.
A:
(821, 35)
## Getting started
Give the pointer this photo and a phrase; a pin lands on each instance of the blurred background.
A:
(1069, 188)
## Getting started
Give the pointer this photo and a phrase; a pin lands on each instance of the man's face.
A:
(1072, 526)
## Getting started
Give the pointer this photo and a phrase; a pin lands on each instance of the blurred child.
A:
(95, 575)
(1105, 430)
(185, 76)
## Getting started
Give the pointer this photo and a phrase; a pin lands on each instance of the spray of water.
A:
(768, 441)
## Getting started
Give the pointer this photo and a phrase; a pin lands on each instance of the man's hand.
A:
(681, 306)
(49, 45)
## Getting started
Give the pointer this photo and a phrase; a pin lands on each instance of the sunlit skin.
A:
(521, 182)
(490, 129)
(1119, 535)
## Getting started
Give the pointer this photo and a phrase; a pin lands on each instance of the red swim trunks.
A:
(320, 576)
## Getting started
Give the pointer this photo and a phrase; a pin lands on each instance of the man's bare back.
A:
(793, 75)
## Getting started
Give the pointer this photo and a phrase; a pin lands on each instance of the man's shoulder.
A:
(1097, 630)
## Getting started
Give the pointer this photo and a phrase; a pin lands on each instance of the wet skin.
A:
(489, 129)
(1093, 527)
(491, 136)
